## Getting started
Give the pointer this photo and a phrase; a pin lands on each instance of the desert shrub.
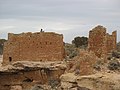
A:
(73, 54)
(37, 87)
(54, 83)
(71, 50)
(97, 65)
(114, 65)
(116, 54)
(41, 87)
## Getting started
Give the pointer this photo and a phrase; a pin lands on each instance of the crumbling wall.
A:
(87, 61)
(114, 35)
(97, 40)
(40, 46)
(101, 42)
(83, 63)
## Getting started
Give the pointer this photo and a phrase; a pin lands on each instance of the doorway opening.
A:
(10, 59)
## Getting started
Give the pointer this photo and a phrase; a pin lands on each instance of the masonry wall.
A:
(101, 42)
(114, 34)
(40, 46)
(97, 40)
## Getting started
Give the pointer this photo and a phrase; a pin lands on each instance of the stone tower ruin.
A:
(101, 42)
(39, 46)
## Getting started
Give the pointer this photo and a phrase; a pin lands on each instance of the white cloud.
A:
(4, 28)
(70, 17)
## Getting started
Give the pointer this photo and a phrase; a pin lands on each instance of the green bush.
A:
(80, 42)
(97, 65)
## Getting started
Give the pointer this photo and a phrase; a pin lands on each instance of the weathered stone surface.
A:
(16, 87)
(40, 46)
(67, 77)
(101, 42)
(99, 81)
(67, 80)
(28, 74)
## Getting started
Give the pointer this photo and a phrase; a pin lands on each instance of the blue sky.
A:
(69, 17)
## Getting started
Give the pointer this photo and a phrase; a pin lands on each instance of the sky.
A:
(68, 17)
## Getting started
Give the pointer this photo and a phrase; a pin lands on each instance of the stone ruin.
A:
(39, 46)
(47, 46)
(30, 59)
(101, 42)
(99, 45)
(83, 63)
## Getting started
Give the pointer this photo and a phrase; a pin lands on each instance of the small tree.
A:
(80, 41)
(114, 65)
(2, 45)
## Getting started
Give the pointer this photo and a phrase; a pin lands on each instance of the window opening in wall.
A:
(10, 59)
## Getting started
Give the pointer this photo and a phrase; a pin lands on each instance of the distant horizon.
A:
(63, 34)
(69, 17)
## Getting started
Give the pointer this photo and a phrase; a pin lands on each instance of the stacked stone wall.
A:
(41, 46)
(101, 42)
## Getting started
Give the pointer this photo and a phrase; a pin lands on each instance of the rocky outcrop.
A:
(25, 75)
(99, 81)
